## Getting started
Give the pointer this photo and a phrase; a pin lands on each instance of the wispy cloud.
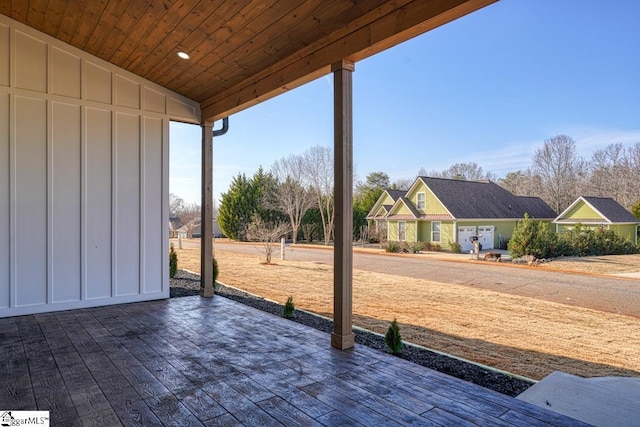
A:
(518, 155)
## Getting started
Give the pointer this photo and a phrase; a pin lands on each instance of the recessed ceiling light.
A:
(183, 55)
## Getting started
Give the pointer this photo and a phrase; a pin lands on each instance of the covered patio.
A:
(87, 332)
(197, 361)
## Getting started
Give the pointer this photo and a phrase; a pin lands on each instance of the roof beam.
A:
(380, 29)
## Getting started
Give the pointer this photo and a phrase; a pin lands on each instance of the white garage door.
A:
(486, 236)
(464, 238)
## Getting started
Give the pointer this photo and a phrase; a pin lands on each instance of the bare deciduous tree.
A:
(319, 166)
(522, 183)
(293, 195)
(462, 171)
(402, 184)
(267, 233)
(307, 231)
(190, 217)
(609, 167)
(176, 204)
(559, 168)
(633, 183)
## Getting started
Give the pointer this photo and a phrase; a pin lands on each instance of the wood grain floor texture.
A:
(214, 362)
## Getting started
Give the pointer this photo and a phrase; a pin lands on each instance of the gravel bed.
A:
(188, 284)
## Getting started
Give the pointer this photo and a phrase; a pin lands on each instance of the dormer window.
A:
(421, 201)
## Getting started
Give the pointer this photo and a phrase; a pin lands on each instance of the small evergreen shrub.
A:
(415, 247)
(531, 237)
(392, 247)
(289, 308)
(215, 271)
(392, 338)
(173, 262)
(455, 247)
(535, 238)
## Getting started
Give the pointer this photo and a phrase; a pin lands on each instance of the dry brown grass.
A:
(518, 334)
(610, 264)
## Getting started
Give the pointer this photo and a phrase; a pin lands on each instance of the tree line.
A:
(559, 175)
(297, 191)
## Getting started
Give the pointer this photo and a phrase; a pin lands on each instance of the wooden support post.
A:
(206, 223)
(342, 336)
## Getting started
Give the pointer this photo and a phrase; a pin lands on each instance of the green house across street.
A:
(598, 212)
(441, 211)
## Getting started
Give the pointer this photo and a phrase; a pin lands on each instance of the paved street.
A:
(604, 293)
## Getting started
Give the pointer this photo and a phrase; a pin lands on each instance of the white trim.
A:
(400, 200)
(13, 191)
(88, 303)
(593, 222)
(572, 205)
(478, 220)
(83, 201)
(49, 190)
(379, 205)
(141, 210)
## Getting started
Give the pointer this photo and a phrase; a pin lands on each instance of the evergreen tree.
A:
(392, 338)
(245, 198)
(366, 195)
(635, 209)
(362, 204)
(237, 206)
(264, 187)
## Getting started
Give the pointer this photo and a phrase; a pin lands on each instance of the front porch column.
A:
(342, 336)
(206, 222)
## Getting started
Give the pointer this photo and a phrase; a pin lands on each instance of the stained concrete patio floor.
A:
(196, 361)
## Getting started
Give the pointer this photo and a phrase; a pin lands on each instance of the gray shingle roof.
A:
(486, 199)
(411, 207)
(611, 209)
(396, 194)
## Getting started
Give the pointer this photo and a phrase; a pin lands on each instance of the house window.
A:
(421, 201)
(435, 231)
(402, 231)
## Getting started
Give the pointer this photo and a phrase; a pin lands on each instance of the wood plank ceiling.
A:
(242, 51)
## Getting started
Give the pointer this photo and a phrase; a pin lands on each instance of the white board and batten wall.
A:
(84, 151)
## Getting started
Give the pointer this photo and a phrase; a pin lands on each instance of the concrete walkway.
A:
(604, 401)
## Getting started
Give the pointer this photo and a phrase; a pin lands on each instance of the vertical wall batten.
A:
(83, 201)
(65, 217)
(164, 267)
(98, 204)
(141, 210)
(5, 43)
(49, 196)
(12, 202)
(31, 201)
(127, 242)
(114, 191)
(83, 177)
(5, 205)
(152, 220)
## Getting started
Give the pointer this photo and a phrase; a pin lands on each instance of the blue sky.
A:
(488, 88)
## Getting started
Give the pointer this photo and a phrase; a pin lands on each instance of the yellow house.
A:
(599, 212)
(443, 211)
